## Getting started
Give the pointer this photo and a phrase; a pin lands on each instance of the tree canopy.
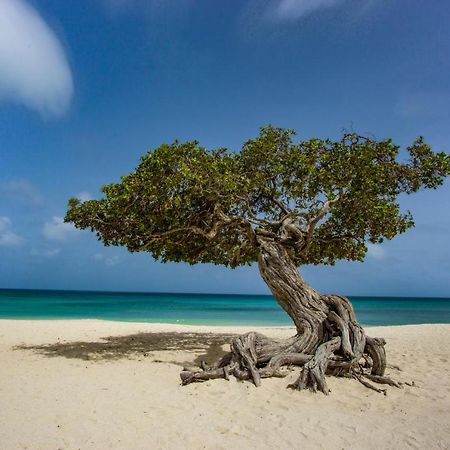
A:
(323, 200)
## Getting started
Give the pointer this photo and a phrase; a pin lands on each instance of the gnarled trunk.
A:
(329, 339)
(301, 302)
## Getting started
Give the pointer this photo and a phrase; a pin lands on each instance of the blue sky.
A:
(88, 87)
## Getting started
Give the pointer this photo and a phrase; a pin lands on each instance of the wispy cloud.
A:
(51, 252)
(46, 252)
(425, 103)
(7, 236)
(84, 196)
(58, 230)
(296, 9)
(258, 13)
(108, 260)
(375, 251)
(33, 66)
(22, 190)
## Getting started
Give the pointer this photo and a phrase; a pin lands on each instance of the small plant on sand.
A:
(283, 205)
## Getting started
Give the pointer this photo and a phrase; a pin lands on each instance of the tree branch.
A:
(320, 215)
(280, 205)
(209, 235)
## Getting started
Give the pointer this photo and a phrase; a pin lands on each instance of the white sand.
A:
(60, 403)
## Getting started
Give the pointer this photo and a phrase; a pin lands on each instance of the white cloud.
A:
(109, 261)
(375, 251)
(295, 9)
(33, 67)
(57, 230)
(7, 237)
(23, 190)
(84, 196)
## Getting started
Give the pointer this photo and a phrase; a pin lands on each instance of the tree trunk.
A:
(301, 302)
(329, 339)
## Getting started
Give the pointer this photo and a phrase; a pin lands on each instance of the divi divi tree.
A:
(282, 205)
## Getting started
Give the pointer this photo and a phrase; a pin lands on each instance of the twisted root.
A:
(343, 350)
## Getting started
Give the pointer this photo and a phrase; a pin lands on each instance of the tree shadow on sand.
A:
(138, 345)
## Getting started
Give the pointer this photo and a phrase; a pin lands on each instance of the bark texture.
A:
(329, 340)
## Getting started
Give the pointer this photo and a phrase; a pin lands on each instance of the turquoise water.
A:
(208, 309)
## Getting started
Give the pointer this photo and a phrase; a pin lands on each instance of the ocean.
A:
(203, 309)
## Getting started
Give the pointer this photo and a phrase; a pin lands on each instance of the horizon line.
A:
(201, 293)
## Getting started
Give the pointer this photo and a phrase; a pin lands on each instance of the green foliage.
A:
(321, 199)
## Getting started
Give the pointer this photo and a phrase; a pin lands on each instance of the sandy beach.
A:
(66, 397)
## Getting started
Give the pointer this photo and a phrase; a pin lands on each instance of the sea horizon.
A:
(215, 293)
(203, 308)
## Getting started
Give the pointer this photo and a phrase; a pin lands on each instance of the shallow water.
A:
(198, 309)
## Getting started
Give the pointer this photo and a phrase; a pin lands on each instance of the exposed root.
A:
(375, 349)
(188, 376)
(343, 349)
(383, 380)
(369, 385)
(244, 351)
(312, 375)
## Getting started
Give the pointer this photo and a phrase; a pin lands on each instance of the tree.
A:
(283, 205)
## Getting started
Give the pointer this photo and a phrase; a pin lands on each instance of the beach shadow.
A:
(139, 345)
